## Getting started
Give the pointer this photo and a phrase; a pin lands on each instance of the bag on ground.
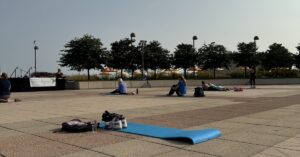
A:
(199, 92)
(76, 125)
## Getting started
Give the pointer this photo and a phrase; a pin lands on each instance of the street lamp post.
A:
(194, 38)
(255, 38)
(35, 50)
(143, 44)
(132, 35)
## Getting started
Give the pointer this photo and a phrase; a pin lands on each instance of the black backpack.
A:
(76, 125)
(199, 92)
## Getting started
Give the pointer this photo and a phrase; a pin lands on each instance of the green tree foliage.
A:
(123, 55)
(156, 57)
(213, 56)
(246, 56)
(297, 57)
(185, 57)
(277, 56)
(83, 53)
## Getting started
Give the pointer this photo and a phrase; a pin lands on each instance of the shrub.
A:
(203, 75)
(281, 73)
(237, 74)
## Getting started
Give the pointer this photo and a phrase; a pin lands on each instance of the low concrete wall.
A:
(168, 83)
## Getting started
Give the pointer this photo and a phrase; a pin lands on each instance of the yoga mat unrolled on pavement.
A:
(193, 136)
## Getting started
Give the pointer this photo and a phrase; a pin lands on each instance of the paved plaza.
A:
(261, 122)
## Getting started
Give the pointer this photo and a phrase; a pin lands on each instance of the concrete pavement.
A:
(262, 122)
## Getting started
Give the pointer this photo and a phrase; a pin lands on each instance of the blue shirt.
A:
(5, 88)
(182, 87)
(122, 88)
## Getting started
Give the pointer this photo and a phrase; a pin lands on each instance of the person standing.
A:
(4, 88)
(252, 77)
(60, 80)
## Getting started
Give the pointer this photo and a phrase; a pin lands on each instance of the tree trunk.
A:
(88, 70)
(155, 73)
(245, 72)
(185, 72)
(121, 73)
(194, 72)
(132, 71)
(214, 73)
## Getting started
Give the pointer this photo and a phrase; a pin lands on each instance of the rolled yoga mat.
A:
(192, 136)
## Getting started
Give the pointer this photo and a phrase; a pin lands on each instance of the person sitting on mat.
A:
(122, 88)
(179, 88)
(213, 87)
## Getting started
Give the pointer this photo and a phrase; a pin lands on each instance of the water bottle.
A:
(94, 127)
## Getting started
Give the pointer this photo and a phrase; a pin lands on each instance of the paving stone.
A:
(227, 148)
(273, 130)
(288, 123)
(47, 149)
(37, 129)
(25, 124)
(90, 140)
(255, 138)
(279, 152)
(250, 120)
(226, 127)
(181, 153)
(10, 133)
(292, 144)
(85, 153)
(134, 148)
(14, 142)
(262, 155)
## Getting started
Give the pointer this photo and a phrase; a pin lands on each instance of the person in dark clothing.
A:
(59, 74)
(4, 88)
(60, 80)
(252, 77)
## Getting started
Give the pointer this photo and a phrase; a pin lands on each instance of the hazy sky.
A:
(52, 23)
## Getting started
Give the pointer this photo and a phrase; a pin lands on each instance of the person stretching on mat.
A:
(122, 88)
(179, 88)
(213, 87)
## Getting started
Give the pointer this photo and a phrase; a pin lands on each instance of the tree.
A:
(246, 56)
(123, 55)
(297, 57)
(83, 53)
(213, 56)
(185, 57)
(156, 56)
(277, 56)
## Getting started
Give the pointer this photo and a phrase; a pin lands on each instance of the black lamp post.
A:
(35, 50)
(143, 44)
(255, 38)
(194, 38)
(132, 35)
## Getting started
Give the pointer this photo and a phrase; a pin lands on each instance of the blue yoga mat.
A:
(193, 136)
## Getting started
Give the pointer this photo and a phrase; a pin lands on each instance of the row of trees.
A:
(88, 53)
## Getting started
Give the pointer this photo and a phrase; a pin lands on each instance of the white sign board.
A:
(42, 82)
